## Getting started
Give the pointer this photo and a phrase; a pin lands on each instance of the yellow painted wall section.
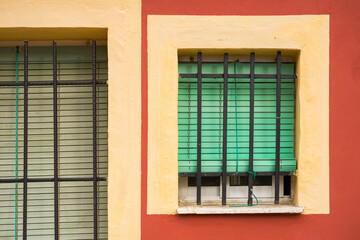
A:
(307, 33)
(75, 19)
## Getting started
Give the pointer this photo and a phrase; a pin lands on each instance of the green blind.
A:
(238, 119)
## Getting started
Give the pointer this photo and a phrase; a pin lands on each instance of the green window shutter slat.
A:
(265, 119)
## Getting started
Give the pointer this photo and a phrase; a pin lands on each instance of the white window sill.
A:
(259, 209)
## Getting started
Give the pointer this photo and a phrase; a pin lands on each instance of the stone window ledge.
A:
(259, 209)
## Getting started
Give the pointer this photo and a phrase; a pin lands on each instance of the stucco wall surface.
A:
(308, 34)
(124, 21)
(119, 23)
(343, 220)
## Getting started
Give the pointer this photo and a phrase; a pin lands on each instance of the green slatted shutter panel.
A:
(238, 119)
(74, 144)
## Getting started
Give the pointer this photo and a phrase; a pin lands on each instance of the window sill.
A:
(260, 209)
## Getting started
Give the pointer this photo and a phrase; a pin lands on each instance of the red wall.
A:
(343, 222)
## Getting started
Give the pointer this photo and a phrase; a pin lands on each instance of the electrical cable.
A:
(16, 138)
(236, 123)
(257, 202)
(237, 149)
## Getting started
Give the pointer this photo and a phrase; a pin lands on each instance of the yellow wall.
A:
(307, 34)
(120, 23)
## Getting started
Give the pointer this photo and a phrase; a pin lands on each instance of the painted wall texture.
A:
(344, 83)
(124, 23)
(119, 23)
(308, 34)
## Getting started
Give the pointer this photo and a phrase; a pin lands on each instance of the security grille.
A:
(53, 142)
(236, 119)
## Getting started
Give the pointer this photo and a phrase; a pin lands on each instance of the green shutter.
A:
(212, 113)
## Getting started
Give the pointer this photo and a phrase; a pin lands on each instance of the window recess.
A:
(53, 142)
(236, 118)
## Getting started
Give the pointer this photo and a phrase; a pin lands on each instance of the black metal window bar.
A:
(252, 76)
(56, 179)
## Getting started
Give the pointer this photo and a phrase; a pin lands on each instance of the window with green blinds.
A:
(238, 118)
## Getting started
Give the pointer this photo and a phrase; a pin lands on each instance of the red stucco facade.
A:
(343, 222)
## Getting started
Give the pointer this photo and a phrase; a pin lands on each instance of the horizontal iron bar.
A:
(50, 83)
(194, 75)
(50, 75)
(13, 180)
(287, 173)
(50, 62)
(230, 83)
(215, 174)
(49, 69)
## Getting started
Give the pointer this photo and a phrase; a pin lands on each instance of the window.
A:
(236, 123)
(53, 142)
(308, 44)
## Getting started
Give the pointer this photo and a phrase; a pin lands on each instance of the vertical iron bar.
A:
(251, 133)
(225, 101)
(56, 190)
(25, 138)
(198, 176)
(278, 117)
(94, 136)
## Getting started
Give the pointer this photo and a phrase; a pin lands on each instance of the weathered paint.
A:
(119, 22)
(308, 34)
(342, 222)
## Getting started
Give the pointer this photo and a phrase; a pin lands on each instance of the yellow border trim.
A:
(308, 33)
(120, 23)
